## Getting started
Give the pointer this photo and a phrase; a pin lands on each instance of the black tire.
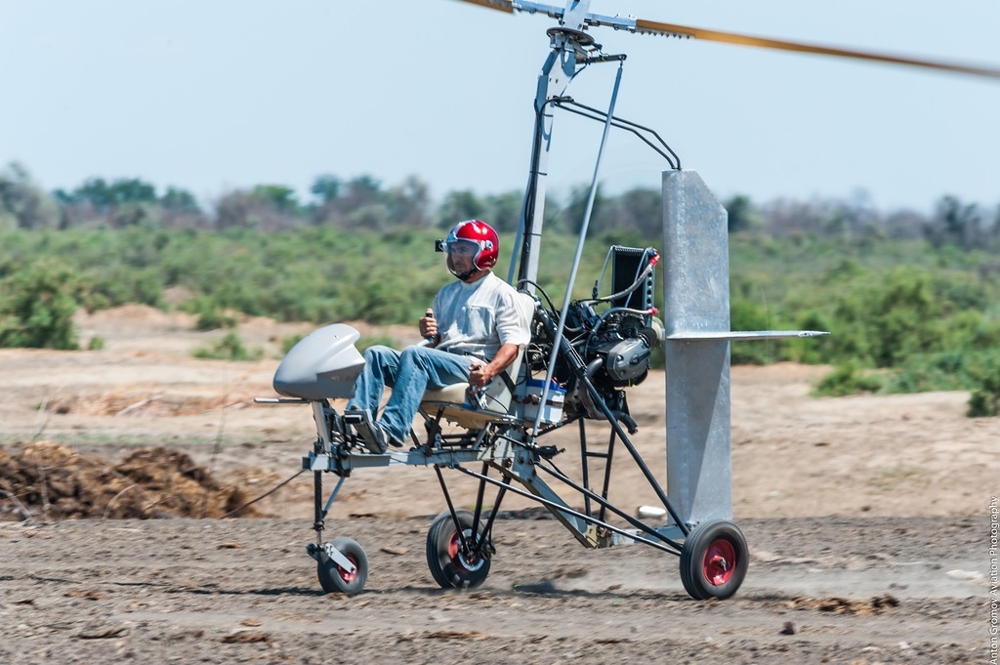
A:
(450, 569)
(714, 560)
(334, 579)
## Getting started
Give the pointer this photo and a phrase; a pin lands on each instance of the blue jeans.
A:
(409, 373)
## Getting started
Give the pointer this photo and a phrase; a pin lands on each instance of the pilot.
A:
(476, 328)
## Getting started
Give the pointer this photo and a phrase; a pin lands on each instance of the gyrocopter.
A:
(584, 357)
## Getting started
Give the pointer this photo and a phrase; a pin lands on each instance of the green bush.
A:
(210, 317)
(811, 350)
(37, 306)
(748, 315)
(230, 347)
(374, 340)
(885, 320)
(288, 342)
(847, 379)
(985, 397)
(947, 370)
(983, 403)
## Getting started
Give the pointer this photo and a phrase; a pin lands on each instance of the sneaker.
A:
(378, 439)
(391, 440)
(383, 435)
(375, 438)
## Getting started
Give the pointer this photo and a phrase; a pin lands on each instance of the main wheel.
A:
(335, 579)
(451, 568)
(714, 560)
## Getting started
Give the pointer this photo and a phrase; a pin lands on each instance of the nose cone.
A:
(322, 365)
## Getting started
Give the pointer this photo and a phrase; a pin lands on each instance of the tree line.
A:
(363, 202)
(913, 300)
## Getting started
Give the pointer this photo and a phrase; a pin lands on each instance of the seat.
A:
(454, 404)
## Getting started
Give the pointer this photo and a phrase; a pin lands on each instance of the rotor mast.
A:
(567, 42)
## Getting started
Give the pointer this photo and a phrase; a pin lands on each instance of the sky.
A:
(216, 96)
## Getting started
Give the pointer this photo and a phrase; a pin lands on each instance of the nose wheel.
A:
(714, 560)
(341, 566)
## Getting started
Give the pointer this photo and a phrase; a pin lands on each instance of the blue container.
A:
(552, 412)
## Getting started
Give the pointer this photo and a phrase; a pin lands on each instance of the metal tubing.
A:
(451, 509)
(317, 503)
(488, 531)
(673, 159)
(479, 504)
(533, 209)
(579, 250)
(333, 495)
(585, 464)
(322, 424)
(607, 469)
(650, 478)
(587, 518)
(581, 371)
(605, 504)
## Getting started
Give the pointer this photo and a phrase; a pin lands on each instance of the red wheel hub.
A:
(719, 563)
(455, 552)
(346, 576)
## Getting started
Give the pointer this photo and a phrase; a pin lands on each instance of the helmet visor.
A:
(461, 247)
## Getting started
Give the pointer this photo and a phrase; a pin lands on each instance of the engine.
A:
(616, 352)
(623, 351)
(612, 346)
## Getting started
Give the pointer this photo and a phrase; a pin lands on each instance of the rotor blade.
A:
(671, 30)
(502, 5)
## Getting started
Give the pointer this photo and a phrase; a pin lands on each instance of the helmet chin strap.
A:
(462, 276)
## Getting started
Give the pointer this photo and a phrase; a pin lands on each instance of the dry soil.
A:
(867, 518)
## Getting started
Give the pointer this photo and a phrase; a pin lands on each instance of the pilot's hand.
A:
(428, 326)
(480, 374)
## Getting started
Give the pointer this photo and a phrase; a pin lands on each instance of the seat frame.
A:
(496, 403)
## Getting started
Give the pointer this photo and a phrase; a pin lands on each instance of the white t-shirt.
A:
(481, 317)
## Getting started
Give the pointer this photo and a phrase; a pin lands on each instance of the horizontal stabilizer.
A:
(743, 335)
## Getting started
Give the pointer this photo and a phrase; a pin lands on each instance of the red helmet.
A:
(478, 238)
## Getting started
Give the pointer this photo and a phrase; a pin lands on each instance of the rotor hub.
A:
(576, 37)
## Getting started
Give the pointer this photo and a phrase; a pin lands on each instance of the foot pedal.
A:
(361, 421)
(337, 425)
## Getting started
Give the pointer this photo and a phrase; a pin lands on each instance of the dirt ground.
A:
(867, 518)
